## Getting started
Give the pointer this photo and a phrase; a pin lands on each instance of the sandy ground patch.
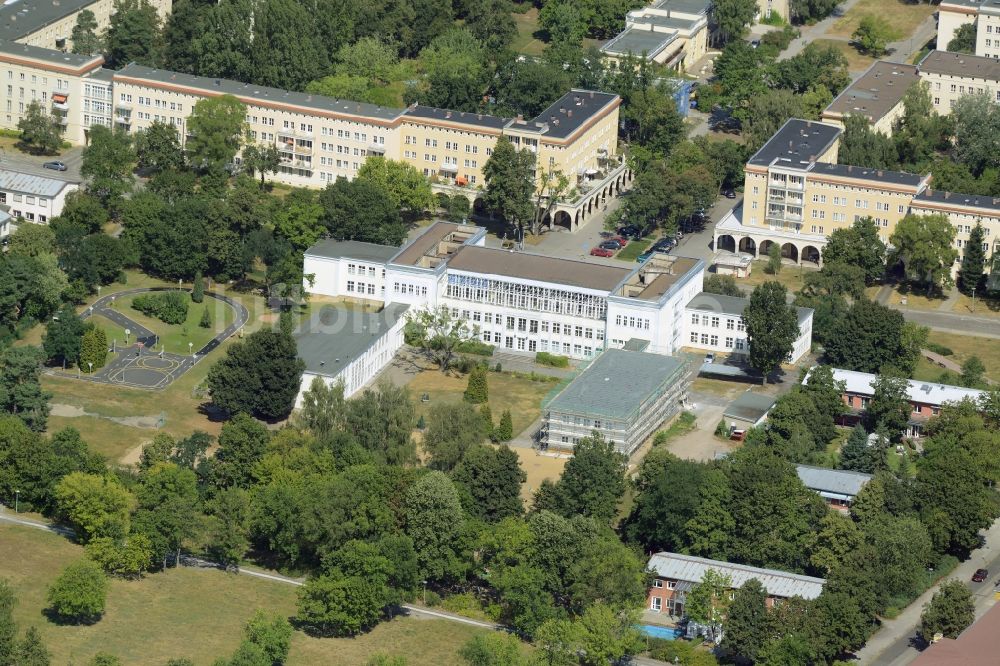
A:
(701, 443)
(539, 467)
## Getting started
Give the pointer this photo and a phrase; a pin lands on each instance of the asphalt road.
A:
(17, 161)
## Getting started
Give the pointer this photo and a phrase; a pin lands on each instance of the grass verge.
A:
(682, 425)
(529, 36)
(902, 17)
(632, 251)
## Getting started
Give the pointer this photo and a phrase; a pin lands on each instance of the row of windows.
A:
(61, 84)
(26, 198)
(714, 320)
(355, 269)
(473, 149)
(632, 322)
(525, 325)
(412, 290)
(713, 341)
(360, 288)
(156, 103)
(526, 344)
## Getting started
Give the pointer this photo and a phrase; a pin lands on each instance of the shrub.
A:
(170, 307)
(206, 319)
(478, 390)
(939, 349)
(198, 290)
(552, 360)
(476, 347)
(487, 415)
(79, 593)
(93, 349)
(504, 432)
(498, 367)
(722, 429)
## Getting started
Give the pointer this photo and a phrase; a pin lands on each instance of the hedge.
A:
(553, 360)
(170, 307)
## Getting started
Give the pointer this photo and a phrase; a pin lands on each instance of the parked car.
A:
(601, 251)
(630, 231)
(54, 165)
(612, 245)
(754, 43)
(620, 239)
(644, 256)
(664, 245)
(980, 575)
(729, 193)
(709, 357)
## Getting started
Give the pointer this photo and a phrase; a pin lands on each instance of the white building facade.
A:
(528, 303)
(31, 198)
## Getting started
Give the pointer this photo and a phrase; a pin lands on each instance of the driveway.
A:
(892, 644)
(15, 160)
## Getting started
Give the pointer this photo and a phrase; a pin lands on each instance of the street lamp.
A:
(91, 364)
(17, 499)
(425, 591)
(128, 332)
(973, 299)
(190, 345)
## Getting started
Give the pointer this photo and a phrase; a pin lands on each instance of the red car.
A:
(601, 252)
(980, 575)
(620, 239)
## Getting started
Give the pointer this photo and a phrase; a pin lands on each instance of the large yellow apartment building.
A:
(796, 195)
(321, 139)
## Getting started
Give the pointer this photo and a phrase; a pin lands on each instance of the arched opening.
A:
(789, 251)
(810, 253)
(562, 219)
(748, 245)
(727, 243)
(579, 216)
(765, 247)
(479, 205)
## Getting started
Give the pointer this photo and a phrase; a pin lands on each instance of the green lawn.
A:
(528, 40)
(902, 17)
(523, 397)
(632, 251)
(193, 613)
(790, 276)
(964, 346)
(177, 337)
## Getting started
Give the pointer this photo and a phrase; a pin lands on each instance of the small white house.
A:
(31, 198)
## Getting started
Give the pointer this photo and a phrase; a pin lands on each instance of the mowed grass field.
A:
(193, 613)
(902, 17)
(856, 62)
(963, 346)
(521, 396)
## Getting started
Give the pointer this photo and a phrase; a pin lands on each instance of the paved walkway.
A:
(139, 365)
(810, 33)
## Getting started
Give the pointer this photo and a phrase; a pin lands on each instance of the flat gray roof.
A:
(881, 175)
(877, 92)
(960, 64)
(617, 384)
(687, 6)
(507, 264)
(15, 181)
(477, 119)
(334, 249)
(932, 196)
(51, 56)
(262, 93)
(749, 406)
(731, 305)
(335, 336)
(797, 144)
(839, 481)
(21, 17)
(637, 42)
(572, 111)
(427, 241)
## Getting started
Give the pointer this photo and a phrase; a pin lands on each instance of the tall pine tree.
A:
(857, 455)
(970, 275)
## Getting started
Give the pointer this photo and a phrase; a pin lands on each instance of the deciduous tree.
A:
(949, 611)
(216, 125)
(259, 375)
(746, 623)
(434, 520)
(438, 333)
(592, 482)
(872, 35)
(772, 327)
(509, 183)
(134, 35)
(21, 392)
(79, 593)
(158, 147)
(107, 163)
(452, 429)
(925, 246)
(491, 478)
(41, 131)
(84, 35)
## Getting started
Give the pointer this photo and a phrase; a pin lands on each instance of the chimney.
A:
(591, 94)
(562, 110)
(947, 195)
(520, 118)
(479, 116)
(569, 113)
(556, 122)
(447, 114)
(551, 118)
(850, 169)
(880, 172)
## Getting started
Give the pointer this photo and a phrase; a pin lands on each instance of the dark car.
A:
(612, 245)
(54, 165)
(729, 193)
(664, 244)
(602, 252)
(630, 231)
(980, 575)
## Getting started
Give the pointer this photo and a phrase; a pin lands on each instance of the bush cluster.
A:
(553, 360)
(170, 307)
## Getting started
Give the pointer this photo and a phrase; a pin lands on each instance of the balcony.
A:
(787, 185)
(295, 134)
(61, 106)
(293, 147)
(377, 148)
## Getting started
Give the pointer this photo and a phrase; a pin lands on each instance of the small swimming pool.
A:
(663, 633)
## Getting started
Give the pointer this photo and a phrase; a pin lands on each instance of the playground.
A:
(142, 362)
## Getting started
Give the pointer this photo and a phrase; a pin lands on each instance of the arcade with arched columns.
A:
(731, 235)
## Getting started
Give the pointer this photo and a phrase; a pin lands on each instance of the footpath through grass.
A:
(902, 17)
(194, 613)
(176, 337)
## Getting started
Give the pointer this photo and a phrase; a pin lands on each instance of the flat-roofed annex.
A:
(655, 277)
(540, 268)
(439, 242)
